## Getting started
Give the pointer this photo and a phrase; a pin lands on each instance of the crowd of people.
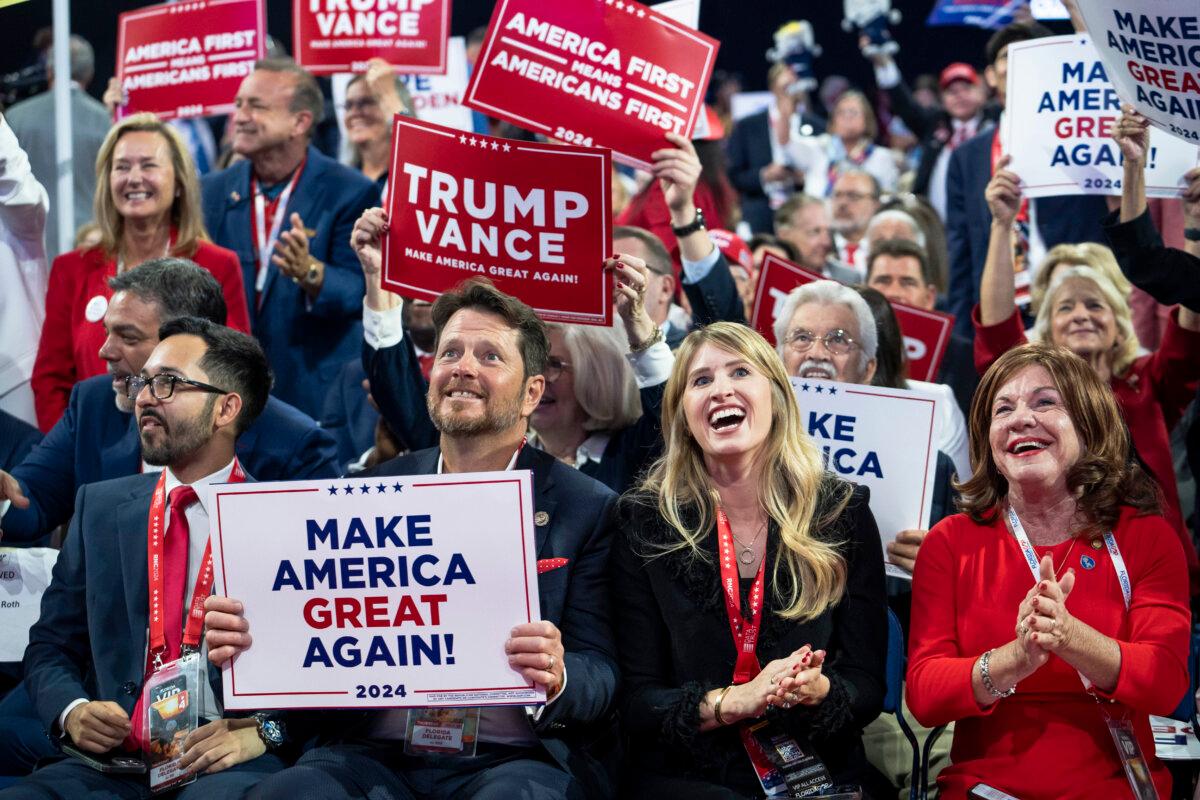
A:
(713, 584)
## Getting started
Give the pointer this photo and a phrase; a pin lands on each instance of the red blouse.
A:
(73, 333)
(1152, 396)
(1049, 739)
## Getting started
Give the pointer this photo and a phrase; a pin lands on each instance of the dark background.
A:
(744, 28)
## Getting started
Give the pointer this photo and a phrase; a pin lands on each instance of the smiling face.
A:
(559, 409)
(142, 178)
(1081, 319)
(1032, 437)
(727, 404)
(819, 319)
(365, 121)
(262, 119)
(477, 385)
(131, 334)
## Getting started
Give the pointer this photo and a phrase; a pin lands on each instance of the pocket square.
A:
(547, 564)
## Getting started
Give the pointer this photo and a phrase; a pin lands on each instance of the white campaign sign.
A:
(1058, 125)
(24, 576)
(884, 439)
(1152, 53)
(381, 592)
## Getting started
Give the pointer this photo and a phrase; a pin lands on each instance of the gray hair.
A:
(830, 293)
(896, 215)
(83, 60)
(179, 287)
(605, 386)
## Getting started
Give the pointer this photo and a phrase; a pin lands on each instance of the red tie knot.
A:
(182, 497)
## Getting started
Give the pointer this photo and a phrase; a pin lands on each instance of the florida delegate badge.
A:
(171, 699)
(442, 731)
(1137, 771)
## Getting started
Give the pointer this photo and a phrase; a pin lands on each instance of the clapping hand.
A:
(1048, 624)
(808, 687)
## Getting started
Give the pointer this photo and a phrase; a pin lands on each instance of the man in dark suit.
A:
(756, 159)
(485, 382)
(17, 438)
(88, 659)
(899, 270)
(97, 438)
(287, 211)
(1051, 220)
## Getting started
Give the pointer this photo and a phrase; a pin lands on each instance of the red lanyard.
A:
(194, 623)
(745, 634)
(997, 152)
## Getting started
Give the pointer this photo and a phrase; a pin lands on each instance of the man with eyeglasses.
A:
(90, 654)
(855, 200)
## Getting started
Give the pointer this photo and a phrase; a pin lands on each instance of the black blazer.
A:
(17, 438)
(748, 151)
(674, 644)
(968, 223)
(574, 597)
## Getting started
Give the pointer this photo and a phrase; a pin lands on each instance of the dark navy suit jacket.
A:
(574, 597)
(17, 438)
(95, 441)
(749, 151)
(90, 640)
(306, 345)
(968, 223)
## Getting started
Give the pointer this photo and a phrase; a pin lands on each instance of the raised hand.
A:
(1132, 134)
(1003, 193)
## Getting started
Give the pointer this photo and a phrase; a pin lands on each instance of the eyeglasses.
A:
(364, 104)
(836, 341)
(555, 367)
(162, 386)
(852, 197)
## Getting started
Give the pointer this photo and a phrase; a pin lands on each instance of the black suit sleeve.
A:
(715, 298)
(59, 651)
(1168, 275)
(47, 477)
(399, 390)
(743, 167)
(920, 120)
(641, 443)
(587, 637)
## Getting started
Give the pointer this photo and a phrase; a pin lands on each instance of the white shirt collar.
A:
(512, 462)
(220, 476)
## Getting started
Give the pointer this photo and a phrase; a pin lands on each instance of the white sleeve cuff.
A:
(383, 328)
(62, 718)
(696, 271)
(535, 714)
(887, 76)
(653, 365)
(4, 505)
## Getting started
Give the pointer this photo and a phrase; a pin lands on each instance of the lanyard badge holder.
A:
(1129, 751)
(171, 698)
(451, 732)
(785, 767)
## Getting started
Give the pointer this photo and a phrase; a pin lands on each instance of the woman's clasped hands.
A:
(1044, 625)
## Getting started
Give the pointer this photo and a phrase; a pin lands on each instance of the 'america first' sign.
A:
(181, 60)
(531, 217)
(388, 592)
(607, 72)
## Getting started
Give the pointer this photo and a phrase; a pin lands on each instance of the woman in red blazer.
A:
(1057, 604)
(147, 206)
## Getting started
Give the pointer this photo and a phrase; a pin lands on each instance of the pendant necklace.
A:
(746, 552)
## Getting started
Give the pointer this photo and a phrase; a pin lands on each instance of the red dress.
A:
(1152, 396)
(1049, 739)
(72, 335)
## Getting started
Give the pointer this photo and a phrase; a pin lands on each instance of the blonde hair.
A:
(186, 216)
(793, 486)
(605, 387)
(1126, 348)
(1086, 254)
(870, 121)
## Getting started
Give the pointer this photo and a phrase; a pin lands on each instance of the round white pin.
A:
(94, 311)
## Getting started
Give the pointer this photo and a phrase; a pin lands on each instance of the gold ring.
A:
(550, 668)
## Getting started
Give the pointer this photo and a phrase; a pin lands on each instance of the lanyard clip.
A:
(158, 662)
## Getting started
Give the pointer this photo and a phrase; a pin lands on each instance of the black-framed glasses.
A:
(162, 386)
(836, 341)
(555, 367)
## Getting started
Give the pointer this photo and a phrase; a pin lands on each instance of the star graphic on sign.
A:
(641, 13)
(620, 5)
(463, 139)
(381, 488)
(820, 389)
(629, 7)
(495, 145)
(349, 489)
(833, 390)
(399, 487)
(507, 148)
(608, 2)
(364, 489)
(333, 490)
(804, 387)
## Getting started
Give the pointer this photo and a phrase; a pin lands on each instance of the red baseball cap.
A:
(732, 247)
(958, 71)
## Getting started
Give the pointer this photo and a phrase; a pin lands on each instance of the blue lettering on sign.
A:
(403, 650)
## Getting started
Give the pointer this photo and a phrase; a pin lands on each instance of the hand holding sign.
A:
(226, 631)
(1191, 198)
(678, 171)
(1132, 134)
(903, 551)
(535, 650)
(367, 241)
(1003, 194)
(632, 276)
(381, 79)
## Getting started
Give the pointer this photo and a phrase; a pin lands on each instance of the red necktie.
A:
(851, 249)
(426, 363)
(175, 563)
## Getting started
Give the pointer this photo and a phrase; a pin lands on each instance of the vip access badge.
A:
(171, 700)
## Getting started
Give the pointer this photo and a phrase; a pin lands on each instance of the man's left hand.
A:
(903, 551)
(535, 650)
(678, 171)
(222, 744)
(293, 259)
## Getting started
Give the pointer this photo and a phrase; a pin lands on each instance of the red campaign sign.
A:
(926, 333)
(188, 59)
(342, 35)
(531, 217)
(609, 72)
